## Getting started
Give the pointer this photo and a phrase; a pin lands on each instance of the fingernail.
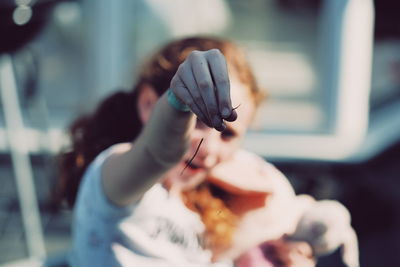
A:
(232, 116)
(225, 112)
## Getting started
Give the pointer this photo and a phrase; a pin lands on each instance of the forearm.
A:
(166, 135)
(161, 144)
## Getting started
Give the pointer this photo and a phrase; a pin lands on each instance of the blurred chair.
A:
(346, 49)
(20, 22)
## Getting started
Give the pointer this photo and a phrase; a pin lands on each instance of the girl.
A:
(129, 210)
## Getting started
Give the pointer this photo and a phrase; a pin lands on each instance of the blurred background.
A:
(331, 123)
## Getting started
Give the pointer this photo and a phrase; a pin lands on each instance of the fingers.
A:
(205, 85)
(186, 77)
(182, 92)
(233, 115)
(219, 73)
(202, 83)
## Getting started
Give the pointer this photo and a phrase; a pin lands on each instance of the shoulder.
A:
(96, 167)
(111, 151)
(91, 196)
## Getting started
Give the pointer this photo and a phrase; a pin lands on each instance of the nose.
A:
(207, 155)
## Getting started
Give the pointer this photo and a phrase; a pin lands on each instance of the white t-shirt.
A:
(158, 231)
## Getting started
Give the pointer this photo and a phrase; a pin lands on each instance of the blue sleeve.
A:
(91, 196)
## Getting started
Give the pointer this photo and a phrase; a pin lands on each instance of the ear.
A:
(146, 101)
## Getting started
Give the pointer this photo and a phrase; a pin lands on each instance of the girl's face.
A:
(216, 146)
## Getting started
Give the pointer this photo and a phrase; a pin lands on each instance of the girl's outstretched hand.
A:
(202, 83)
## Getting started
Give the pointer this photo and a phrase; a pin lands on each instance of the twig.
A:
(236, 106)
(198, 146)
(195, 153)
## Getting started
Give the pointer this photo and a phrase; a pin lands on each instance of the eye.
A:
(228, 134)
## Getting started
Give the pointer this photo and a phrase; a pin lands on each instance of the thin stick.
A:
(198, 146)
(195, 153)
(236, 106)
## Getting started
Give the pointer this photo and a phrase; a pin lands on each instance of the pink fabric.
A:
(253, 258)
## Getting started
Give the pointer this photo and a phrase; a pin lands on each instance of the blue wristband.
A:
(175, 102)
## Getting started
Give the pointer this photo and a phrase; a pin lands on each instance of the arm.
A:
(162, 143)
(165, 138)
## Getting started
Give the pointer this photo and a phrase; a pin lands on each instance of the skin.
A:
(170, 137)
(216, 147)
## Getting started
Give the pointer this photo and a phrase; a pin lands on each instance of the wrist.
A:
(176, 103)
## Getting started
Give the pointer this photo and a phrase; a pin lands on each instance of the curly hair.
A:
(211, 203)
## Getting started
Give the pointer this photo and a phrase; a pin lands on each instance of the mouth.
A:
(192, 166)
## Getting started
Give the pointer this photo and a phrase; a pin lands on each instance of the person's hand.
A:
(202, 83)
